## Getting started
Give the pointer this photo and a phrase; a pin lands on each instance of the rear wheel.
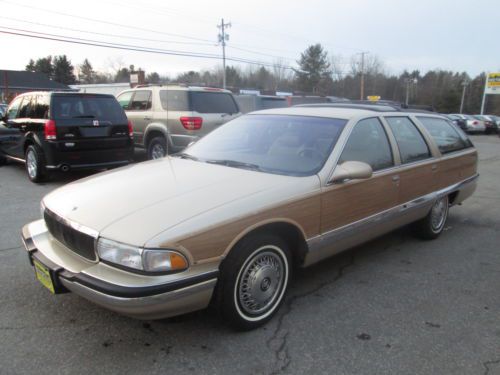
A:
(157, 148)
(254, 279)
(433, 224)
(35, 163)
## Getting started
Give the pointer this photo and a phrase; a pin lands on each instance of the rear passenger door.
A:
(418, 170)
(355, 200)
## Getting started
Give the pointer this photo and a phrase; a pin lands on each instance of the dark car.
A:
(62, 131)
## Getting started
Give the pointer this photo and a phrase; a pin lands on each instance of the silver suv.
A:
(166, 118)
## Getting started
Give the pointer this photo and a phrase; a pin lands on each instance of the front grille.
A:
(78, 242)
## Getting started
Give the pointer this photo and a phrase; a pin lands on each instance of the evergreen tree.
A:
(314, 68)
(44, 65)
(31, 66)
(87, 73)
(63, 70)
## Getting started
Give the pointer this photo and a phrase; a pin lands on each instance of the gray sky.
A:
(420, 34)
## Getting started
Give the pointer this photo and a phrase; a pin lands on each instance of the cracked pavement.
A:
(396, 305)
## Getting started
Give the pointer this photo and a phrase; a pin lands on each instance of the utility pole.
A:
(465, 82)
(223, 37)
(483, 102)
(362, 96)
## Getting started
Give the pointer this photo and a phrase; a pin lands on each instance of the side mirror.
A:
(351, 170)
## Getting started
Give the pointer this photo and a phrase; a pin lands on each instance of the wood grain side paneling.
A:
(345, 203)
(453, 169)
(216, 241)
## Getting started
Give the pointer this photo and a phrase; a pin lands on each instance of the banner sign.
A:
(493, 83)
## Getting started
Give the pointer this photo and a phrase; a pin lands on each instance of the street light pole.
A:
(362, 95)
(464, 84)
(409, 81)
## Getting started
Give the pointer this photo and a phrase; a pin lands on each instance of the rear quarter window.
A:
(213, 102)
(105, 108)
(447, 137)
(174, 100)
(411, 144)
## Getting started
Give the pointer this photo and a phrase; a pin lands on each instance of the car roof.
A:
(333, 112)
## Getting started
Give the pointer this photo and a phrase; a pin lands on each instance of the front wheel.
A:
(431, 226)
(35, 163)
(253, 282)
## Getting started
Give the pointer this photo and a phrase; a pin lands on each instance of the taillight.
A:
(50, 130)
(475, 123)
(191, 123)
(130, 129)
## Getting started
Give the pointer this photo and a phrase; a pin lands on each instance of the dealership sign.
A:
(493, 83)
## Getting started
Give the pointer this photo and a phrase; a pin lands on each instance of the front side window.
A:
(141, 101)
(411, 144)
(14, 108)
(281, 144)
(368, 143)
(447, 137)
(213, 102)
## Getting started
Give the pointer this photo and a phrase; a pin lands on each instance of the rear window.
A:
(98, 107)
(447, 137)
(212, 102)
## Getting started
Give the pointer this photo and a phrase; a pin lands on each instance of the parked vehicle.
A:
(472, 125)
(250, 103)
(168, 118)
(228, 219)
(458, 121)
(489, 123)
(61, 131)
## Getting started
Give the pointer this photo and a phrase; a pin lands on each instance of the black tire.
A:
(35, 163)
(431, 226)
(253, 281)
(155, 147)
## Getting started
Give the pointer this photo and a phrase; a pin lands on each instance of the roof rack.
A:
(385, 106)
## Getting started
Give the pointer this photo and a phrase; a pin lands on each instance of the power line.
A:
(95, 43)
(106, 22)
(108, 34)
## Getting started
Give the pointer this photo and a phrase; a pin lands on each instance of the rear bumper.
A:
(134, 295)
(105, 154)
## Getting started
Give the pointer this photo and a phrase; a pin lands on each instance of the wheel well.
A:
(289, 233)
(452, 197)
(153, 133)
(28, 143)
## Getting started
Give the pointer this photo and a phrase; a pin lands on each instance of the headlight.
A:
(148, 260)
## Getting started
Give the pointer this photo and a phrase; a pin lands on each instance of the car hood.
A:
(134, 203)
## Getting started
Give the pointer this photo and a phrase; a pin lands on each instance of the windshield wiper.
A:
(235, 164)
(184, 155)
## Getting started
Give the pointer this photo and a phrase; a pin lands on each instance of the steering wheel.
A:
(310, 152)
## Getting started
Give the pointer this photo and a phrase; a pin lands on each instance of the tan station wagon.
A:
(227, 220)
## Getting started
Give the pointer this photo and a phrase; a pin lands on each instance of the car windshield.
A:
(281, 144)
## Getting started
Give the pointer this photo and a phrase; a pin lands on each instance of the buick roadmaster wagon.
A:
(227, 220)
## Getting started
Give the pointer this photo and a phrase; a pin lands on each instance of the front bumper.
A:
(134, 295)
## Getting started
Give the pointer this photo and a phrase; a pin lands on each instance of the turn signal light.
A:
(50, 130)
(191, 123)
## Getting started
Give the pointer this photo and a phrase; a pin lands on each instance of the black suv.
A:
(60, 130)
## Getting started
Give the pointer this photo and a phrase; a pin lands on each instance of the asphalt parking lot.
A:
(397, 305)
